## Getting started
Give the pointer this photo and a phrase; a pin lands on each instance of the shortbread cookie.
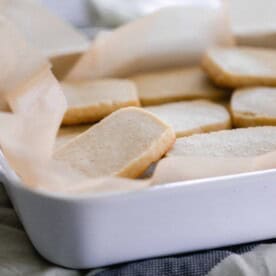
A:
(241, 66)
(123, 144)
(176, 85)
(67, 133)
(4, 106)
(187, 118)
(254, 106)
(91, 101)
(227, 143)
(253, 22)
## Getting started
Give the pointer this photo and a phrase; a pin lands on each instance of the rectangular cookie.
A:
(240, 142)
(253, 22)
(67, 133)
(190, 117)
(123, 144)
(235, 67)
(176, 85)
(254, 106)
(91, 101)
(4, 106)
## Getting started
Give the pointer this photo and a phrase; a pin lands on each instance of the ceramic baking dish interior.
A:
(97, 230)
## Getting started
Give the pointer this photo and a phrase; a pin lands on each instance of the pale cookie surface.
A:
(187, 118)
(91, 101)
(4, 106)
(254, 106)
(253, 22)
(65, 134)
(227, 143)
(241, 66)
(123, 144)
(176, 85)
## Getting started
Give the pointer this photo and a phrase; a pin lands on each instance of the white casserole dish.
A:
(93, 231)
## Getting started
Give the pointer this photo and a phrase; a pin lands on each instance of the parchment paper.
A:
(37, 103)
(172, 36)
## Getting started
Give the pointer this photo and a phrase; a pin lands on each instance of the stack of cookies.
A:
(172, 85)
(199, 105)
(119, 122)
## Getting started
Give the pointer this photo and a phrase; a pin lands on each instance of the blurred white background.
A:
(247, 16)
(107, 13)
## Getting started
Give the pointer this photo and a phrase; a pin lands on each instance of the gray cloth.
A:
(17, 255)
